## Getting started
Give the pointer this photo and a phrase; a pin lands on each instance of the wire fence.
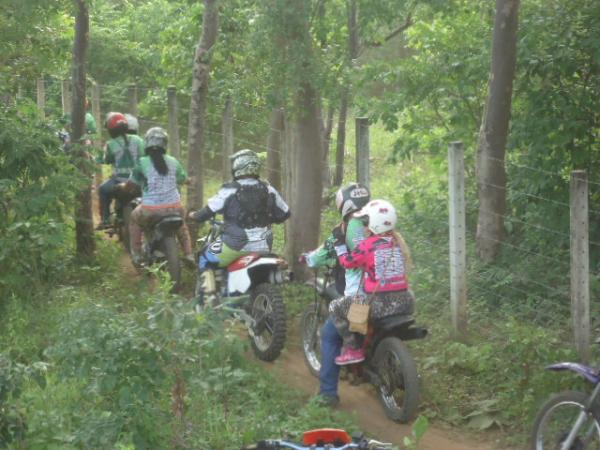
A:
(532, 278)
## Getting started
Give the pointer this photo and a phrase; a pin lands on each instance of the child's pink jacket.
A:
(381, 260)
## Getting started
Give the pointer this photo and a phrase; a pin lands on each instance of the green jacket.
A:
(123, 157)
(325, 255)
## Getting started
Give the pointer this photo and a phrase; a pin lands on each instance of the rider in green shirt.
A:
(123, 151)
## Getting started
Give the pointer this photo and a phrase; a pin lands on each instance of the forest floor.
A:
(362, 402)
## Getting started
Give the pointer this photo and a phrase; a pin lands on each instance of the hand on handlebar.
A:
(339, 235)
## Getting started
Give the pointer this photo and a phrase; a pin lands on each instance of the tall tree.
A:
(352, 11)
(306, 127)
(491, 170)
(198, 106)
(84, 226)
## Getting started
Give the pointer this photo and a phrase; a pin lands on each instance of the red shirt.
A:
(382, 261)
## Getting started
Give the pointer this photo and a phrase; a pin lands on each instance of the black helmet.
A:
(352, 198)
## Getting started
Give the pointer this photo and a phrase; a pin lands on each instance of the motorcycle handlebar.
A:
(282, 445)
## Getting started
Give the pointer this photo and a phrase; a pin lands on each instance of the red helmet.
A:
(116, 121)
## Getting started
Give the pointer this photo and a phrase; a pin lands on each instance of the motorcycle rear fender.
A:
(589, 373)
(402, 328)
(239, 281)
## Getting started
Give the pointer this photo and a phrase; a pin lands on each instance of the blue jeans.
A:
(106, 192)
(331, 346)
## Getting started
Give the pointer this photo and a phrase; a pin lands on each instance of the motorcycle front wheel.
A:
(556, 419)
(398, 379)
(268, 310)
(312, 322)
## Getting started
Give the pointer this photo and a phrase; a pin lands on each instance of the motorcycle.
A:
(388, 366)
(160, 245)
(125, 194)
(249, 289)
(570, 420)
(323, 439)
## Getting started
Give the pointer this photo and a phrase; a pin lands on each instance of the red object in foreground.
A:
(243, 261)
(326, 436)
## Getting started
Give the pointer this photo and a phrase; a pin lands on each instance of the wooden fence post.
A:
(173, 113)
(132, 100)
(227, 130)
(458, 250)
(41, 98)
(580, 263)
(362, 151)
(96, 112)
(66, 96)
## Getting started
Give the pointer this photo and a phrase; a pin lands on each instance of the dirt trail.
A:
(359, 400)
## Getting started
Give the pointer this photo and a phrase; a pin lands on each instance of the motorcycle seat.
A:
(393, 321)
(169, 224)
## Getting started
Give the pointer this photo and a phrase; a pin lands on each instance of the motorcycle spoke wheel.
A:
(557, 417)
(398, 380)
(312, 322)
(268, 311)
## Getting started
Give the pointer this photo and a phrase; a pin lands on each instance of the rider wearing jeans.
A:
(249, 207)
(123, 151)
(383, 256)
(349, 200)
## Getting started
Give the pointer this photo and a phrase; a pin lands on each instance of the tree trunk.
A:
(275, 148)
(353, 44)
(227, 130)
(327, 128)
(491, 171)
(198, 106)
(341, 140)
(307, 179)
(84, 225)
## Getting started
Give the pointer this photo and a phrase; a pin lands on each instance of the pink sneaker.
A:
(350, 356)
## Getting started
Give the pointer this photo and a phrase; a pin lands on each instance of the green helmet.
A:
(156, 137)
(245, 163)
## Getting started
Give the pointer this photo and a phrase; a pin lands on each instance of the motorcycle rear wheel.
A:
(124, 228)
(268, 308)
(399, 381)
(171, 251)
(312, 321)
(556, 418)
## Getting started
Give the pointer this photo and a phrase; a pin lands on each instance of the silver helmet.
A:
(156, 137)
(245, 163)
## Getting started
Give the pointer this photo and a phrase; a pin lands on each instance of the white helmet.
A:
(133, 126)
(381, 214)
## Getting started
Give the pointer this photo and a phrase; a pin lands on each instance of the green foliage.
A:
(13, 376)
(419, 428)
(37, 187)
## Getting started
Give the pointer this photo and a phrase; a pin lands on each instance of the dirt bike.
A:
(323, 439)
(570, 420)
(160, 245)
(388, 366)
(125, 194)
(249, 289)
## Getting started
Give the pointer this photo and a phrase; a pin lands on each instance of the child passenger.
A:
(383, 257)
